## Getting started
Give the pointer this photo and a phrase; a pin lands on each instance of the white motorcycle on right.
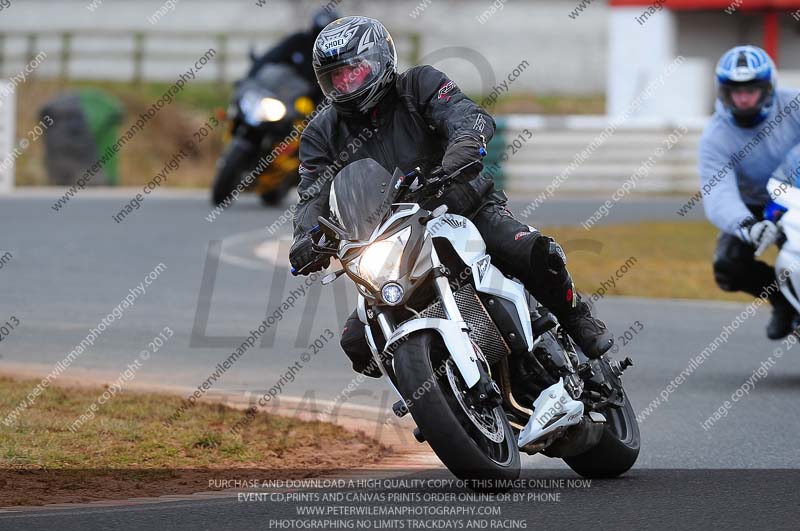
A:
(784, 192)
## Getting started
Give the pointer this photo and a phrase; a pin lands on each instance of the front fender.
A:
(456, 340)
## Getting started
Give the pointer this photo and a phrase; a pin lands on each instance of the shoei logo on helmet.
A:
(336, 37)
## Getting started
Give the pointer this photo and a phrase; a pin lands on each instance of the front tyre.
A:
(275, 196)
(231, 166)
(474, 445)
(617, 450)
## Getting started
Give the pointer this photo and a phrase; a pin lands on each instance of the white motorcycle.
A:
(786, 264)
(483, 376)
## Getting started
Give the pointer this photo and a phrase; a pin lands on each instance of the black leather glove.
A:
(460, 153)
(302, 254)
(460, 198)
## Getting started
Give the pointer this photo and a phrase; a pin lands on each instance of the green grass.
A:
(46, 462)
(672, 259)
(552, 104)
(205, 97)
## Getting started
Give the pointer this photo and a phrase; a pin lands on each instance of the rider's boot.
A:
(589, 332)
(782, 319)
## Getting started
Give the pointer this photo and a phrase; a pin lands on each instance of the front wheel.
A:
(617, 450)
(473, 441)
(275, 196)
(231, 166)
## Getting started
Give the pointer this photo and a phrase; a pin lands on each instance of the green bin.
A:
(104, 113)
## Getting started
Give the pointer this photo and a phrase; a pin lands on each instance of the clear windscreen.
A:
(362, 196)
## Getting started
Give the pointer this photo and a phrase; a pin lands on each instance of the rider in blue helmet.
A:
(746, 82)
(753, 129)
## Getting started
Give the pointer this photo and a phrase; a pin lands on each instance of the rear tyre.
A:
(424, 378)
(617, 450)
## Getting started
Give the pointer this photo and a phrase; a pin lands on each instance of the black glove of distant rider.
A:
(302, 254)
(460, 153)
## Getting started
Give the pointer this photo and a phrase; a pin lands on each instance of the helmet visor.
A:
(347, 79)
(745, 99)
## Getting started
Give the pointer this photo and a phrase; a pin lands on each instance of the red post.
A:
(771, 34)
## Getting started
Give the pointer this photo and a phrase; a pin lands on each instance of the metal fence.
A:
(138, 55)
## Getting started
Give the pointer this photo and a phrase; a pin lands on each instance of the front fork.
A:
(453, 330)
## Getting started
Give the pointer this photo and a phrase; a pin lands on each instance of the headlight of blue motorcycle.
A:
(380, 262)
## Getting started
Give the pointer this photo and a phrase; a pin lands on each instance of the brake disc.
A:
(491, 424)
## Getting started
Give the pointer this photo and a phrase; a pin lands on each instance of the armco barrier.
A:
(557, 141)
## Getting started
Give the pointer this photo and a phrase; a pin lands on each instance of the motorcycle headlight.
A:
(380, 262)
(258, 109)
(271, 110)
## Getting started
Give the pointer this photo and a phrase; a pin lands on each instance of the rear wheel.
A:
(473, 441)
(617, 450)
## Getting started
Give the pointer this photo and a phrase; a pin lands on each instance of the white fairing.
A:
(462, 233)
(784, 194)
(786, 269)
(553, 402)
(361, 308)
(489, 279)
(469, 245)
(454, 335)
(787, 265)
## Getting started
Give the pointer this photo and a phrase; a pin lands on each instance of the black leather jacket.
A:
(412, 126)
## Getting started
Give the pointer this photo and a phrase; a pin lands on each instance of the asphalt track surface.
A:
(69, 269)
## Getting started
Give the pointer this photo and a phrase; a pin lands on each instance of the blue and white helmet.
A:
(746, 66)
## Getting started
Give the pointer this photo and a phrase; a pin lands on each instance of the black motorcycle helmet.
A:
(355, 62)
(321, 18)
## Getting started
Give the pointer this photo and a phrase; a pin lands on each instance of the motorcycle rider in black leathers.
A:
(419, 118)
(295, 50)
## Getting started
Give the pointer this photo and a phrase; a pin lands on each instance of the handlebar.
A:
(435, 180)
(314, 230)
